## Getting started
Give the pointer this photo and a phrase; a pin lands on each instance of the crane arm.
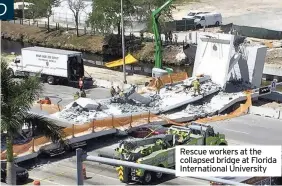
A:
(156, 30)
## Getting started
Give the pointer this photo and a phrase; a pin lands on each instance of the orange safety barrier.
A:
(84, 172)
(171, 78)
(36, 182)
(51, 109)
(113, 122)
(238, 112)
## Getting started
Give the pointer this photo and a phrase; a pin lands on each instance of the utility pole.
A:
(23, 10)
(123, 45)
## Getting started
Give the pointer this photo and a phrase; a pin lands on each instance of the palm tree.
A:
(16, 100)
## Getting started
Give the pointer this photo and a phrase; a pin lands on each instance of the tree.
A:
(146, 7)
(17, 99)
(76, 6)
(42, 8)
(106, 14)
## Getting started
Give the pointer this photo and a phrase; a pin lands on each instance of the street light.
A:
(123, 47)
(23, 10)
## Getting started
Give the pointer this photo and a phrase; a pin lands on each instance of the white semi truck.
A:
(54, 65)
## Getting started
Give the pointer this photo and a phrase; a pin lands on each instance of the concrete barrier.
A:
(266, 112)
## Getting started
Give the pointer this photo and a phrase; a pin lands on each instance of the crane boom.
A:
(156, 29)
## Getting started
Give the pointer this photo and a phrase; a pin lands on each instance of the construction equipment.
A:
(159, 150)
(157, 71)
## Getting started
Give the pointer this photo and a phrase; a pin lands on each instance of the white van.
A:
(210, 19)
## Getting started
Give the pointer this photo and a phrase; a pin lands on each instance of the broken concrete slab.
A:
(139, 98)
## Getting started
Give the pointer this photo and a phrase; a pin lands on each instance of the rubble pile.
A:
(198, 110)
(79, 112)
(213, 105)
(85, 109)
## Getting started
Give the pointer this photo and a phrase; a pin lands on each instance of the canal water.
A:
(95, 60)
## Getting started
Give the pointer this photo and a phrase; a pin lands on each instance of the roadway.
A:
(251, 129)
(65, 93)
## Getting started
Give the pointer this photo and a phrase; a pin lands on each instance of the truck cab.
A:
(15, 67)
(198, 131)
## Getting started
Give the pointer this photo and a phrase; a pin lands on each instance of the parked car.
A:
(21, 173)
(56, 149)
(51, 150)
(209, 19)
(147, 131)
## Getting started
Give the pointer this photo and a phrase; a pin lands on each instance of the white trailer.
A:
(54, 65)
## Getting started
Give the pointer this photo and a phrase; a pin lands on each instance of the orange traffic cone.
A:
(84, 172)
(36, 182)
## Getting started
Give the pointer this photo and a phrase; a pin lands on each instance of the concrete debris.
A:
(211, 106)
(84, 109)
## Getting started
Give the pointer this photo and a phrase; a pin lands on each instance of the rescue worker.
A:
(76, 96)
(121, 94)
(46, 101)
(83, 94)
(197, 87)
(170, 37)
(118, 90)
(175, 39)
(113, 91)
(80, 84)
(158, 85)
(166, 38)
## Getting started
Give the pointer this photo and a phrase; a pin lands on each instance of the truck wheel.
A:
(159, 175)
(148, 177)
(217, 23)
(50, 80)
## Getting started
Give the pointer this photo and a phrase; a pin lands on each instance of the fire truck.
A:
(160, 150)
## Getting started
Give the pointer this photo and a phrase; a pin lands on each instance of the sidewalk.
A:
(106, 78)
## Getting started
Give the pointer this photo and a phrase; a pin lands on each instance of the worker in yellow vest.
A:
(158, 84)
(197, 86)
(76, 96)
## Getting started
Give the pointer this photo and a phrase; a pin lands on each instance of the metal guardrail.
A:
(80, 157)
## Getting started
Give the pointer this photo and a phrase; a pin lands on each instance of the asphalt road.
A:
(65, 93)
(251, 129)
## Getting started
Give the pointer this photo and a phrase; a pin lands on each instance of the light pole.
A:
(23, 10)
(122, 36)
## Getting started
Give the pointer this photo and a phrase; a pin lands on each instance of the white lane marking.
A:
(237, 131)
(235, 142)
